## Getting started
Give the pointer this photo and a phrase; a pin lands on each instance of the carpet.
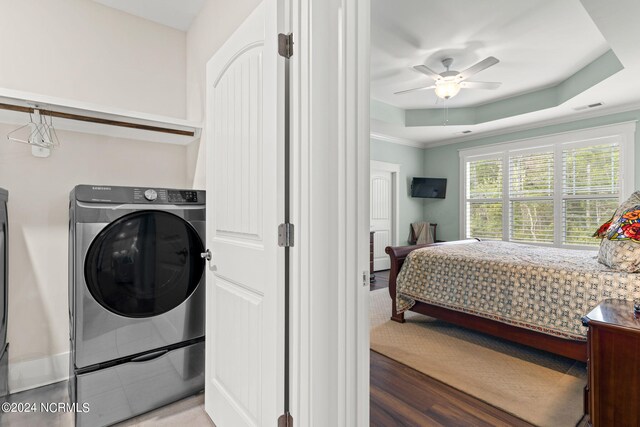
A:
(539, 387)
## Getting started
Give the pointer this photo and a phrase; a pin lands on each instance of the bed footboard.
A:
(397, 254)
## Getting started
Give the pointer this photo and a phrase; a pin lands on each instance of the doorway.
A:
(384, 210)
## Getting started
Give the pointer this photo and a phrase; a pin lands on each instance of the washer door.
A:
(144, 264)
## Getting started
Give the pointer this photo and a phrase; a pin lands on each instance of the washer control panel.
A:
(165, 196)
(147, 195)
(150, 195)
(182, 196)
(141, 195)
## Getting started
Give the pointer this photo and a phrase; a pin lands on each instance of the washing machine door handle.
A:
(206, 255)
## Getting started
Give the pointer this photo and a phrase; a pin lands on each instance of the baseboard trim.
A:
(28, 374)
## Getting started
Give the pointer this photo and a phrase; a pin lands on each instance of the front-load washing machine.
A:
(136, 299)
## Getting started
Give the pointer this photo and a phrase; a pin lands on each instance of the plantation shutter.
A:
(484, 199)
(554, 190)
(590, 190)
(531, 188)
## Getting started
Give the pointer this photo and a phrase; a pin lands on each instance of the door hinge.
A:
(285, 420)
(285, 235)
(285, 45)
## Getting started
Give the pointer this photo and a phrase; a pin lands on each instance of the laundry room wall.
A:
(38, 231)
(77, 50)
(212, 27)
(82, 50)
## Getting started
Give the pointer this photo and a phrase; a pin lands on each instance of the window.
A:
(531, 188)
(484, 204)
(551, 191)
(590, 189)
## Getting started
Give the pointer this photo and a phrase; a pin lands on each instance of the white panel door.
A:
(381, 212)
(244, 335)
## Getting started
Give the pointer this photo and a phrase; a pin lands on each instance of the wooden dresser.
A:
(613, 387)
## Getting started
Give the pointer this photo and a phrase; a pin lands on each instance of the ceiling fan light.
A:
(447, 89)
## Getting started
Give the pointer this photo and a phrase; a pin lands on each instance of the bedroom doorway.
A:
(383, 211)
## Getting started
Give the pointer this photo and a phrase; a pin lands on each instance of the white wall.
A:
(38, 232)
(211, 28)
(81, 50)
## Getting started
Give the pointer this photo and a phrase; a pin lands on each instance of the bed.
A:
(527, 294)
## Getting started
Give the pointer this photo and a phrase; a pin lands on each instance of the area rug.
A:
(539, 387)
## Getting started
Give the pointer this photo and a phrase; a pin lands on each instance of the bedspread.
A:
(544, 289)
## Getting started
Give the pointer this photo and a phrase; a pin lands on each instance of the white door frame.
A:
(394, 169)
(329, 300)
(329, 297)
(330, 209)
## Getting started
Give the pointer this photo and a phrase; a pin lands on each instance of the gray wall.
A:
(411, 161)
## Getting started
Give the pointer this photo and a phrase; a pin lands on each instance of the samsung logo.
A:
(101, 188)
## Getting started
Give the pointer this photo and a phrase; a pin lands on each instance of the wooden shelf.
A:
(96, 119)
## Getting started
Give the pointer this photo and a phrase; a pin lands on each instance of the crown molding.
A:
(396, 140)
(543, 123)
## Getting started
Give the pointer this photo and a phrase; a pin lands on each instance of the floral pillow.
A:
(627, 226)
(601, 232)
(620, 249)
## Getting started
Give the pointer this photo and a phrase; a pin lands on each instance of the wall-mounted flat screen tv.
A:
(429, 188)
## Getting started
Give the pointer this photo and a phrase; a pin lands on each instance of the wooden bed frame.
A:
(573, 349)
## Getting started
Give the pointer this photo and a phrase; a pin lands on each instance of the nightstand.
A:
(613, 364)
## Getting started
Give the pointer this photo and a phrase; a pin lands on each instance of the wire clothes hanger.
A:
(39, 131)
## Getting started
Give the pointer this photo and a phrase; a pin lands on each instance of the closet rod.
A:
(82, 118)
(16, 108)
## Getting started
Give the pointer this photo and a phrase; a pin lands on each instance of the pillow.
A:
(627, 227)
(601, 232)
(621, 254)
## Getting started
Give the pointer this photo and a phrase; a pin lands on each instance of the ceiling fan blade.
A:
(427, 72)
(480, 85)
(482, 65)
(414, 90)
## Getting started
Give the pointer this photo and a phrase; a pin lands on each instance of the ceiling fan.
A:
(449, 82)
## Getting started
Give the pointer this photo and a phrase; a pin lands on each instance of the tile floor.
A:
(189, 411)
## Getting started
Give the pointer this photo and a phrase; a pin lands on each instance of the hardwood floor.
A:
(381, 280)
(402, 396)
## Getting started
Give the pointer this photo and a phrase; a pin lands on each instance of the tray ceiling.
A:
(554, 61)
(538, 42)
